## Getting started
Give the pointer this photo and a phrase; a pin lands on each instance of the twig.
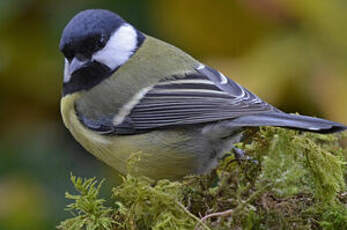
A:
(237, 209)
(193, 216)
(224, 213)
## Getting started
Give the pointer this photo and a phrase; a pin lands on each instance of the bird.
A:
(126, 94)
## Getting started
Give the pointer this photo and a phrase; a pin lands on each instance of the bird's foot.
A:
(241, 156)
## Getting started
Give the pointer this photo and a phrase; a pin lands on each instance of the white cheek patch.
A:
(67, 76)
(119, 47)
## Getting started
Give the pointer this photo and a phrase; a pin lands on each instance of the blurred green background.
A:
(292, 53)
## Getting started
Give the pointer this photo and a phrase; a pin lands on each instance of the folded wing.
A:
(200, 97)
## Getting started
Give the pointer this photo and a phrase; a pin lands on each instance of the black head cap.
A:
(84, 41)
(88, 32)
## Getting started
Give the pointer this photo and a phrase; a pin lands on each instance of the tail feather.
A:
(292, 121)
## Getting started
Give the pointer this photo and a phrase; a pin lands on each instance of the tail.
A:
(291, 121)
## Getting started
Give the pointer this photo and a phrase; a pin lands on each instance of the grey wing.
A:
(200, 97)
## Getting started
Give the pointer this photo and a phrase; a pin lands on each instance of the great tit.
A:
(125, 93)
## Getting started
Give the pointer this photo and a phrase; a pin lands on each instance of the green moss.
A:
(298, 183)
(334, 217)
(152, 205)
(88, 211)
(302, 162)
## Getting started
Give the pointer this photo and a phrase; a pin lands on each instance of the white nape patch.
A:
(67, 76)
(119, 47)
(224, 79)
(126, 109)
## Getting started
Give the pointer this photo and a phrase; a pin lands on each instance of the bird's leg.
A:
(241, 156)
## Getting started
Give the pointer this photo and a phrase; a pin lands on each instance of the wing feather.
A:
(204, 96)
(200, 97)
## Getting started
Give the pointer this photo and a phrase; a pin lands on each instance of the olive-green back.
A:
(153, 61)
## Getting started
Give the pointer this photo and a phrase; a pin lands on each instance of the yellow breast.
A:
(161, 153)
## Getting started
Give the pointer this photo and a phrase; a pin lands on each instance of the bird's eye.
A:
(100, 42)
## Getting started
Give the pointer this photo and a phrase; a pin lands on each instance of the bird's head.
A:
(95, 43)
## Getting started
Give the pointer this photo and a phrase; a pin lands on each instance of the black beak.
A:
(76, 65)
(84, 75)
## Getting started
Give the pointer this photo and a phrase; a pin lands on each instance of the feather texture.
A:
(194, 98)
(200, 97)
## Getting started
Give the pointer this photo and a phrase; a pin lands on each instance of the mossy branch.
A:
(298, 183)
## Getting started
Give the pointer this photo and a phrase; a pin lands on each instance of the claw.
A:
(241, 156)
